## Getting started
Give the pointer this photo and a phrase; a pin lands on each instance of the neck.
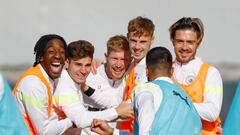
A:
(158, 74)
(136, 61)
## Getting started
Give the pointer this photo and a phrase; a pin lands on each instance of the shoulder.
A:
(29, 82)
(213, 75)
(65, 84)
(31, 86)
(213, 70)
(146, 87)
(99, 78)
(65, 78)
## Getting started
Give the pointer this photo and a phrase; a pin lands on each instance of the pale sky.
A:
(24, 21)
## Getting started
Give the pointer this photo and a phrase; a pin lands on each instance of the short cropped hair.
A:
(80, 49)
(117, 43)
(159, 57)
(185, 23)
(140, 26)
(41, 45)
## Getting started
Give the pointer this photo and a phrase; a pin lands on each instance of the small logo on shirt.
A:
(190, 79)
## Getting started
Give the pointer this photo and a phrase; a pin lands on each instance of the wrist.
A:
(118, 111)
(84, 87)
(110, 131)
(89, 91)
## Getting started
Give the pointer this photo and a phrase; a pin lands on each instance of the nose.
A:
(137, 45)
(83, 70)
(185, 45)
(119, 63)
(57, 55)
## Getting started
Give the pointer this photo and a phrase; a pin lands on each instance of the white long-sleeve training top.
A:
(32, 98)
(108, 93)
(186, 73)
(69, 96)
(146, 101)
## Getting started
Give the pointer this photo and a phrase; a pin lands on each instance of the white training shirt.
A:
(186, 73)
(146, 102)
(140, 71)
(32, 98)
(70, 97)
(105, 90)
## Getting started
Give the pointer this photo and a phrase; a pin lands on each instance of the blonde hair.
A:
(141, 26)
(117, 43)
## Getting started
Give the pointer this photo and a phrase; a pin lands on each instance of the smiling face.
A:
(139, 45)
(53, 58)
(117, 63)
(79, 68)
(185, 44)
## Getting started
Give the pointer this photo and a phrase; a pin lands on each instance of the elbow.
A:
(213, 116)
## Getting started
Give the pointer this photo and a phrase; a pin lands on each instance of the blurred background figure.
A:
(231, 125)
(11, 120)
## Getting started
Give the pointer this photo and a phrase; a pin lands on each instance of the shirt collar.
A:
(142, 62)
(194, 62)
(51, 81)
(102, 72)
(165, 79)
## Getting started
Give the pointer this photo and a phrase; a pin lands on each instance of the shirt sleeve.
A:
(32, 98)
(83, 118)
(144, 103)
(70, 99)
(213, 93)
(106, 99)
(103, 96)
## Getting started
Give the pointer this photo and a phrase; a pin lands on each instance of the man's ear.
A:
(128, 36)
(106, 55)
(153, 38)
(41, 59)
(147, 71)
(67, 63)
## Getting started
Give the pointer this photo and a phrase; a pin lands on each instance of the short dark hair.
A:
(80, 49)
(185, 23)
(41, 45)
(159, 57)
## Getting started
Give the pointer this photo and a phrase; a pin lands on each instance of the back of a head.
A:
(41, 45)
(117, 43)
(80, 49)
(159, 58)
(141, 26)
(186, 23)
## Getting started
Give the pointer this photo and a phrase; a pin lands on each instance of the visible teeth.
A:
(117, 70)
(56, 64)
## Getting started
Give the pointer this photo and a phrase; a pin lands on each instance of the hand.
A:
(84, 87)
(219, 130)
(101, 127)
(95, 64)
(125, 110)
(61, 115)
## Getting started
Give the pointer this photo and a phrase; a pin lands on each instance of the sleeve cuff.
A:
(112, 114)
(89, 92)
